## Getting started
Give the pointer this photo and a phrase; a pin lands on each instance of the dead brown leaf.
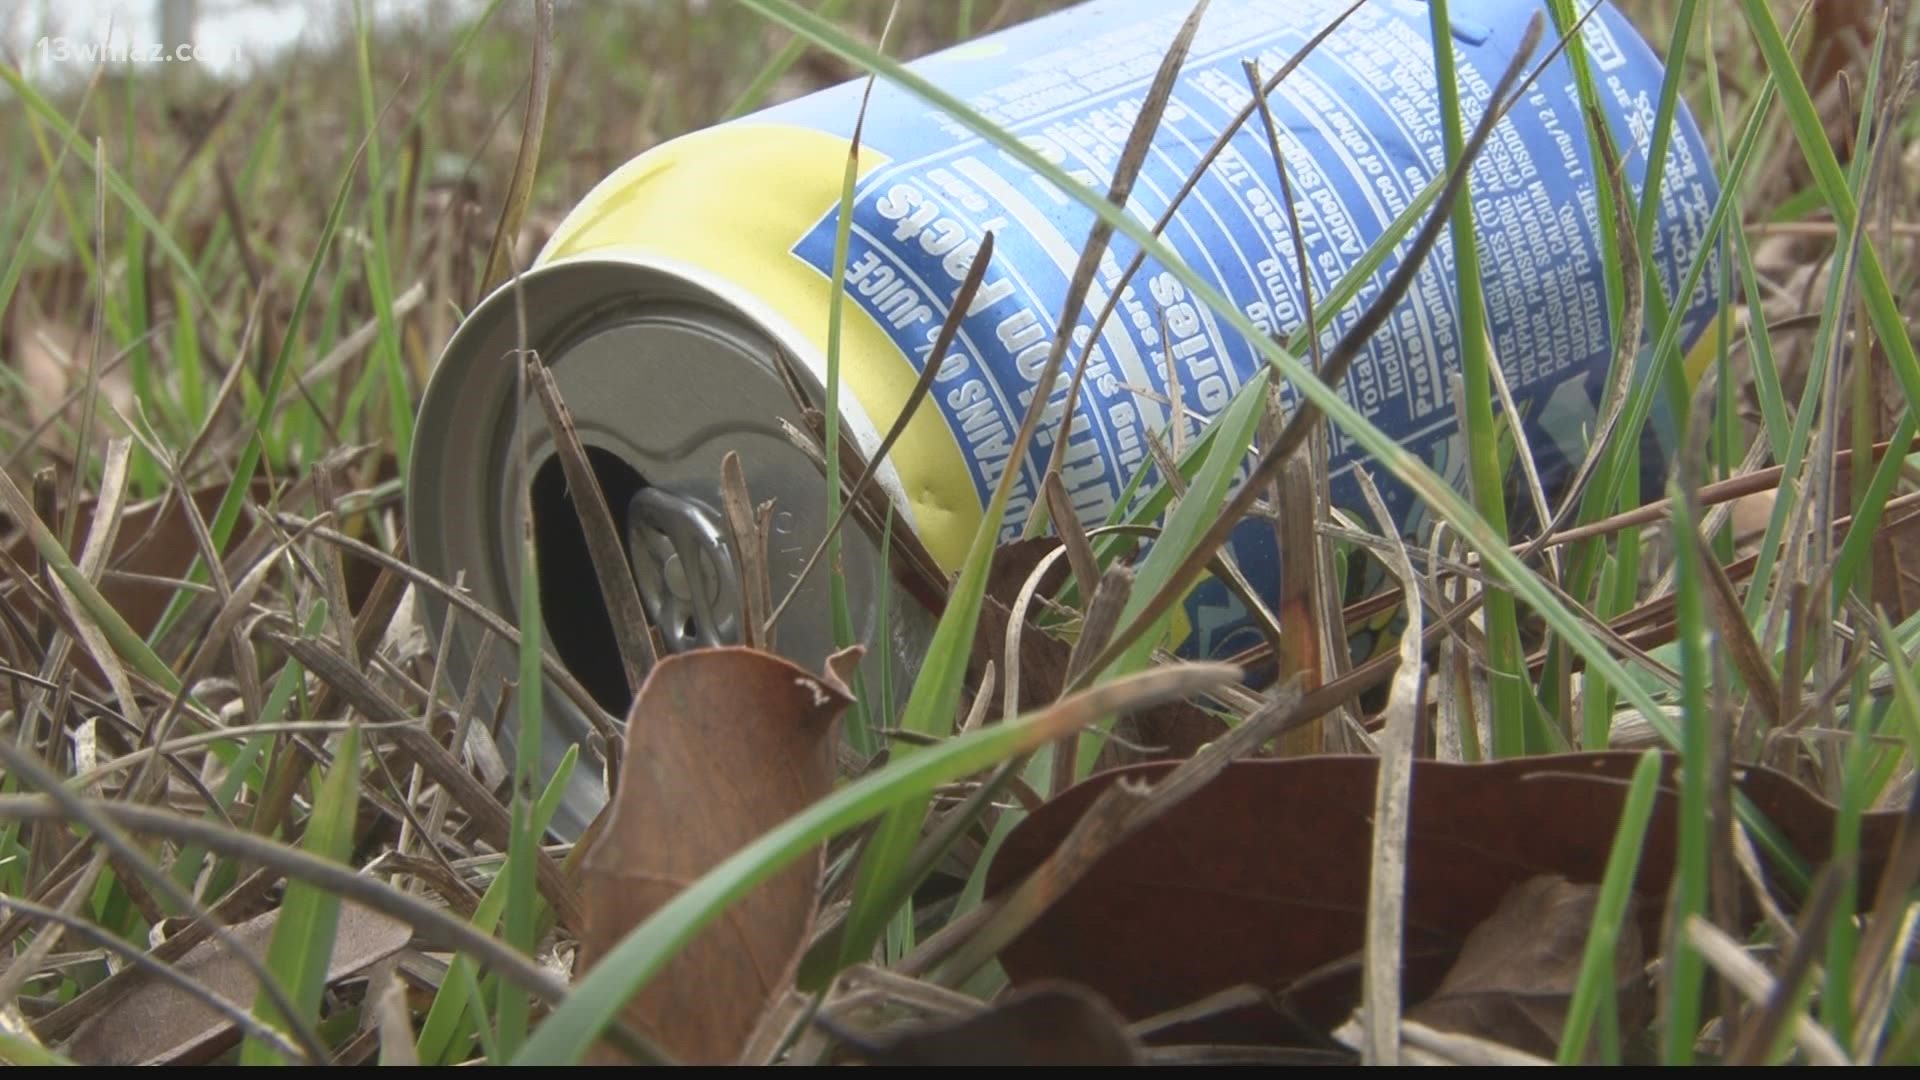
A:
(722, 744)
(159, 1023)
(1261, 877)
(1517, 969)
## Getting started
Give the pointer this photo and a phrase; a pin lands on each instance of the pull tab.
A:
(684, 568)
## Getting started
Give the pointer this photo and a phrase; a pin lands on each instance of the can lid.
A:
(663, 376)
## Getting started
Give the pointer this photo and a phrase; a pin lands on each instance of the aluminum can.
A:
(669, 301)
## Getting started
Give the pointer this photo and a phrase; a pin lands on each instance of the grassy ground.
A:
(226, 297)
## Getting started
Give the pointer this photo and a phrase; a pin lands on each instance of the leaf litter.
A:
(722, 744)
(1152, 913)
(1261, 877)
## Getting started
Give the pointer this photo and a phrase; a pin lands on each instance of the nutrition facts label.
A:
(1360, 137)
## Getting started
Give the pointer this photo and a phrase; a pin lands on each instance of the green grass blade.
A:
(839, 611)
(1685, 968)
(189, 361)
(489, 1042)
(1149, 508)
(523, 847)
(1591, 106)
(1845, 270)
(930, 705)
(1765, 367)
(127, 312)
(125, 642)
(1858, 787)
(1196, 513)
(379, 263)
(755, 91)
(443, 1032)
(883, 585)
(192, 858)
(1371, 260)
(1906, 686)
(1856, 550)
(878, 888)
(25, 243)
(264, 142)
(227, 514)
(1608, 492)
(1663, 114)
(1596, 980)
(1804, 118)
(302, 945)
(10, 218)
(1596, 699)
(123, 191)
(23, 249)
(1506, 663)
(1852, 560)
(1672, 378)
(1155, 502)
(1145, 511)
(1842, 931)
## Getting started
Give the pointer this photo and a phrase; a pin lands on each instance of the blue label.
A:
(1359, 131)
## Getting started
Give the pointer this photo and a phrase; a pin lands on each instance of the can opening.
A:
(578, 626)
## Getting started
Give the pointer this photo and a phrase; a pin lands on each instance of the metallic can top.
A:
(664, 376)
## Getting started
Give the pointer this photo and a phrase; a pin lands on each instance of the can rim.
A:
(467, 423)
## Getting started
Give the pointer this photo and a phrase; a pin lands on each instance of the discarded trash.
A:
(666, 301)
